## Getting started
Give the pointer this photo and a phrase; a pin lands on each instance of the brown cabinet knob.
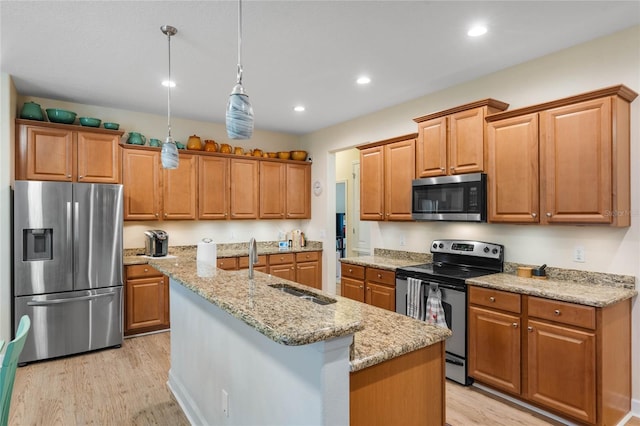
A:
(80, 177)
(557, 312)
(350, 270)
(68, 176)
(146, 270)
(452, 168)
(530, 329)
(156, 214)
(534, 215)
(361, 286)
(379, 275)
(514, 325)
(548, 214)
(492, 299)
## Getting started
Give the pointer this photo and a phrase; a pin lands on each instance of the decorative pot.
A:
(194, 143)
(32, 111)
(136, 138)
(210, 145)
(225, 148)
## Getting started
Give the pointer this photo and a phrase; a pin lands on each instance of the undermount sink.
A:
(303, 294)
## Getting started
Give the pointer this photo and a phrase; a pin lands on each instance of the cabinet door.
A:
(352, 289)
(308, 273)
(512, 166)
(372, 183)
(494, 348)
(285, 271)
(147, 304)
(98, 157)
(244, 189)
(298, 205)
(180, 189)
(398, 159)
(141, 179)
(431, 148)
(213, 187)
(381, 296)
(575, 163)
(49, 154)
(227, 263)
(562, 369)
(466, 141)
(272, 190)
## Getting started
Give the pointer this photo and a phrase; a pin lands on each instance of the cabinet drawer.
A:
(228, 263)
(352, 271)
(307, 256)
(243, 262)
(141, 271)
(381, 276)
(563, 312)
(280, 259)
(495, 299)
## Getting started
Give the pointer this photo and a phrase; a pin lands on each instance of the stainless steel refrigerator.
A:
(67, 267)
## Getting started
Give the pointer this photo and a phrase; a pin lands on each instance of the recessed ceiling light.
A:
(299, 108)
(167, 82)
(477, 30)
(363, 80)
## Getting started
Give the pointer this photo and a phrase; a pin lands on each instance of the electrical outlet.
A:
(402, 240)
(323, 233)
(578, 254)
(225, 402)
(233, 235)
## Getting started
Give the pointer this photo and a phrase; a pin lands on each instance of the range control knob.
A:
(486, 249)
(441, 245)
(435, 246)
(494, 251)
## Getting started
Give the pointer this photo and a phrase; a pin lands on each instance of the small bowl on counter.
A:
(299, 155)
(89, 121)
(62, 116)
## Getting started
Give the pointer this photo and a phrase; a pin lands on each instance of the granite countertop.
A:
(224, 250)
(380, 335)
(590, 294)
(389, 259)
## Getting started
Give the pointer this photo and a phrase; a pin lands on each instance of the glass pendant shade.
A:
(239, 118)
(169, 154)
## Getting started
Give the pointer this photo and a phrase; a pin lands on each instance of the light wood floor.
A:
(127, 386)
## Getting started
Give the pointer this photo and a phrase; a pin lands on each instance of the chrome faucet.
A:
(253, 256)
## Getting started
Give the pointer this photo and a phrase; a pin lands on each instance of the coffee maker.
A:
(156, 243)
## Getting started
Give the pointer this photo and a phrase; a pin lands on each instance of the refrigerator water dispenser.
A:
(37, 244)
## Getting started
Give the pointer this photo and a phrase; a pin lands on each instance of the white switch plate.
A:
(323, 233)
(578, 254)
(402, 240)
(225, 402)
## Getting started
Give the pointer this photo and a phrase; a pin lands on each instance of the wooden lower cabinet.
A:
(261, 266)
(373, 286)
(146, 300)
(407, 390)
(572, 360)
(227, 263)
(309, 269)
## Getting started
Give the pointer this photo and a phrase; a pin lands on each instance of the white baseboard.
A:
(185, 401)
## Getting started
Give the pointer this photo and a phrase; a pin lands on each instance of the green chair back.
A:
(9, 365)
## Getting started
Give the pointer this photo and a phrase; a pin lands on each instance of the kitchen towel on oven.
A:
(435, 312)
(415, 296)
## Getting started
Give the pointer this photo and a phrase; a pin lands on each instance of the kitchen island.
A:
(243, 352)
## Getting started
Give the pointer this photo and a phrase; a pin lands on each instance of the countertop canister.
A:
(206, 257)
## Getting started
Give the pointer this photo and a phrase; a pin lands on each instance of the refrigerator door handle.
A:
(76, 233)
(69, 232)
(67, 300)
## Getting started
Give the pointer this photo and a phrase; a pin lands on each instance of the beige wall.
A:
(600, 63)
(7, 127)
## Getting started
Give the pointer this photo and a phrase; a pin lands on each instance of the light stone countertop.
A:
(590, 294)
(389, 259)
(380, 335)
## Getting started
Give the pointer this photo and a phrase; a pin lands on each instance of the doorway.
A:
(341, 223)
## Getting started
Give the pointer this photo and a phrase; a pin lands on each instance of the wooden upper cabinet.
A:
(431, 148)
(98, 157)
(512, 170)
(141, 179)
(244, 189)
(63, 152)
(180, 188)
(273, 179)
(372, 183)
(583, 156)
(576, 146)
(298, 199)
(398, 159)
(386, 172)
(452, 141)
(213, 187)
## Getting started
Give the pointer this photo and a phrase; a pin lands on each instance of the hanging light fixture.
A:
(239, 116)
(169, 153)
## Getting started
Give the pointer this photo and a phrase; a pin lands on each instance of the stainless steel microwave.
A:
(457, 198)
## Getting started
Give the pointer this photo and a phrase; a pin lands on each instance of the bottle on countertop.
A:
(303, 241)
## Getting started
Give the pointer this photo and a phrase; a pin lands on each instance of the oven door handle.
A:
(446, 285)
(454, 361)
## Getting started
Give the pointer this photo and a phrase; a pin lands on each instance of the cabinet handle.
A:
(156, 214)
(68, 176)
(442, 169)
(165, 215)
(381, 214)
(350, 270)
(514, 325)
(379, 275)
(557, 312)
(292, 267)
(548, 214)
(225, 215)
(146, 270)
(80, 177)
(534, 215)
(452, 168)
(492, 299)
(361, 286)
(281, 214)
(530, 329)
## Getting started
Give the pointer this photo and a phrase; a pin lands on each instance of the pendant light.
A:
(169, 153)
(239, 115)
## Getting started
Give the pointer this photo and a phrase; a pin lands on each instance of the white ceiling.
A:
(113, 54)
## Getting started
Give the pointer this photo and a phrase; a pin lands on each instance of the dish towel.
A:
(415, 295)
(435, 312)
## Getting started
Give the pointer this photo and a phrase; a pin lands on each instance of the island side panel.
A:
(266, 382)
(407, 390)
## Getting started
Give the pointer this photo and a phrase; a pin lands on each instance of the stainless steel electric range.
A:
(454, 261)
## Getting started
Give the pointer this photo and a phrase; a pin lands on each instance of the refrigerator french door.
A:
(67, 269)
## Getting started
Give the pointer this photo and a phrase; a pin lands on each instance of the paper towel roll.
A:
(206, 257)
